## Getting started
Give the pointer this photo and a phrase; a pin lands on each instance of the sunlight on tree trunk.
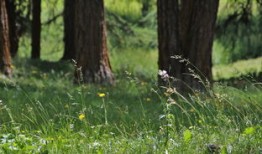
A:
(13, 34)
(5, 61)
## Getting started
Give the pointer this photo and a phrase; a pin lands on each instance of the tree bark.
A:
(187, 32)
(13, 33)
(5, 61)
(168, 39)
(36, 29)
(69, 16)
(197, 31)
(90, 43)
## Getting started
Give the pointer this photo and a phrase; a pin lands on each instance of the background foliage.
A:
(42, 111)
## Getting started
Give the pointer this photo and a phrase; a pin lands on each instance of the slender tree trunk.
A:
(36, 29)
(187, 32)
(90, 43)
(69, 16)
(5, 61)
(13, 35)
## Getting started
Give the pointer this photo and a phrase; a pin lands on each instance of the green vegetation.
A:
(129, 9)
(238, 31)
(252, 67)
(42, 111)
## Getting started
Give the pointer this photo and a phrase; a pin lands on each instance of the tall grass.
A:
(42, 111)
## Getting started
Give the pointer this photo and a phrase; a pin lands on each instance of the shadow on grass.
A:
(44, 66)
(244, 80)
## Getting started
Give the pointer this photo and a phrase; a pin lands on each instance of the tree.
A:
(36, 29)
(68, 16)
(5, 61)
(168, 40)
(186, 30)
(239, 30)
(90, 43)
(13, 32)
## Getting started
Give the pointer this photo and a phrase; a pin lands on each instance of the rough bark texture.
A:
(69, 13)
(197, 35)
(90, 43)
(5, 61)
(168, 40)
(193, 26)
(13, 33)
(36, 29)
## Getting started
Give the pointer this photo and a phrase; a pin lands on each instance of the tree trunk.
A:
(13, 35)
(36, 29)
(198, 18)
(168, 39)
(187, 32)
(5, 61)
(90, 43)
(69, 13)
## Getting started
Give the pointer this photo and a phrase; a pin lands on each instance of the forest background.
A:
(42, 111)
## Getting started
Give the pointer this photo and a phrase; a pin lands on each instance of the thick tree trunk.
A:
(5, 61)
(36, 29)
(187, 32)
(197, 20)
(168, 39)
(13, 35)
(69, 14)
(90, 43)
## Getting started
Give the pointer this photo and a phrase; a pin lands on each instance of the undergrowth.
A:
(43, 112)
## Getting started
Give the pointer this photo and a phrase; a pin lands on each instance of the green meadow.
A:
(43, 111)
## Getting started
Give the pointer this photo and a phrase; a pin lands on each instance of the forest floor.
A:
(42, 111)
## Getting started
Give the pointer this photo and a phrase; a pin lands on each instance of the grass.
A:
(238, 69)
(43, 112)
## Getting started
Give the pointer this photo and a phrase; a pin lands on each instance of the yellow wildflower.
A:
(81, 116)
(101, 94)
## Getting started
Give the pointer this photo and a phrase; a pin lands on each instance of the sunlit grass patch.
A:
(237, 69)
(130, 9)
(136, 61)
